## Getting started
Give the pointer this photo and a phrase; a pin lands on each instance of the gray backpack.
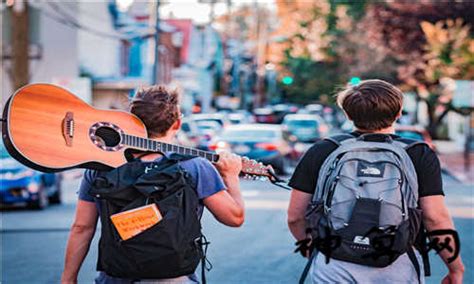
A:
(364, 209)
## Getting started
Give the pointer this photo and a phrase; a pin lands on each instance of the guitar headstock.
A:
(255, 170)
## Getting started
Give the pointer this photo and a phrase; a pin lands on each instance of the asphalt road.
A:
(261, 251)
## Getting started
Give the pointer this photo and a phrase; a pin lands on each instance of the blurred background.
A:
(257, 78)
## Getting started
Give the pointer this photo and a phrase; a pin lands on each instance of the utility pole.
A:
(19, 42)
(261, 30)
(156, 65)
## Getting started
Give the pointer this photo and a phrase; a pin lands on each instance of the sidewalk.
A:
(452, 160)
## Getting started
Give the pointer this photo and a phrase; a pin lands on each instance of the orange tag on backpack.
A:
(132, 222)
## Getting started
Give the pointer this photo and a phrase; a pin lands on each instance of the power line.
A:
(71, 21)
(65, 19)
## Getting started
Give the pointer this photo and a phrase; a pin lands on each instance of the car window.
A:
(211, 120)
(302, 123)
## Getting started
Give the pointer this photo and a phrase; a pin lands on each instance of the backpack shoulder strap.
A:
(409, 143)
(338, 139)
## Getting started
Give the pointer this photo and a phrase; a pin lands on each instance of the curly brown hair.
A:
(157, 107)
(372, 105)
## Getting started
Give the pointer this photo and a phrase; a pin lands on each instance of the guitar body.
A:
(49, 129)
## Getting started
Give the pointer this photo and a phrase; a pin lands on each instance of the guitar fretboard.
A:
(152, 145)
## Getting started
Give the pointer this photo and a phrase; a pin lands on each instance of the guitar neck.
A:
(145, 144)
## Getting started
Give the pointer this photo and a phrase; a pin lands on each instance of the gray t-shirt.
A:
(207, 182)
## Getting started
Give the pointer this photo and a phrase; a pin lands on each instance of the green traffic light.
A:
(287, 80)
(355, 81)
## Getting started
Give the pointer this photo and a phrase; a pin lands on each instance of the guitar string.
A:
(147, 144)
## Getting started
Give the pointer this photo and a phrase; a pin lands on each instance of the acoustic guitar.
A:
(49, 129)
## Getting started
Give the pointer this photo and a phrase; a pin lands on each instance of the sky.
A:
(199, 12)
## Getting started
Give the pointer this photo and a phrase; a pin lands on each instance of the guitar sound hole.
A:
(109, 136)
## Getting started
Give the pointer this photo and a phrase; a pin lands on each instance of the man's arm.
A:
(436, 217)
(227, 206)
(80, 237)
(299, 201)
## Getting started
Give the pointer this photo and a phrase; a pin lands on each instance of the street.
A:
(261, 251)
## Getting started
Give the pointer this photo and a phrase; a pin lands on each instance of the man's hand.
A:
(229, 165)
(453, 277)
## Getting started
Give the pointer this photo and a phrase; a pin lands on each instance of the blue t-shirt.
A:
(206, 178)
(207, 182)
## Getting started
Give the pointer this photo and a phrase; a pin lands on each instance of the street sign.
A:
(463, 94)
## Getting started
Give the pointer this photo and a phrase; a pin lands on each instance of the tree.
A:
(425, 52)
(308, 58)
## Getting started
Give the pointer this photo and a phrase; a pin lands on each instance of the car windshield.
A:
(302, 123)
(251, 134)
(209, 120)
(410, 134)
(208, 124)
(3, 152)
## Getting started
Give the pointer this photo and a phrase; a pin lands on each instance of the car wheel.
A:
(56, 197)
(42, 201)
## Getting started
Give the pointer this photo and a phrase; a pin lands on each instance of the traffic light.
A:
(287, 80)
(354, 81)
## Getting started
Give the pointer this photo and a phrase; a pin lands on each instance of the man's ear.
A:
(176, 125)
(399, 115)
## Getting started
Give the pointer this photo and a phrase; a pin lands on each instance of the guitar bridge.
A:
(68, 128)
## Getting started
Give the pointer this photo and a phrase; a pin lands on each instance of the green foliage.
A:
(311, 80)
(313, 77)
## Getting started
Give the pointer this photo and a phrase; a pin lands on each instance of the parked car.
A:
(281, 110)
(314, 109)
(306, 127)
(240, 117)
(216, 117)
(190, 135)
(266, 143)
(20, 185)
(264, 115)
(416, 133)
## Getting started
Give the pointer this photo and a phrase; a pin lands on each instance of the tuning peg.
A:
(262, 178)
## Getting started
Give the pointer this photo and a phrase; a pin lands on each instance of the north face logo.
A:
(366, 169)
(371, 171)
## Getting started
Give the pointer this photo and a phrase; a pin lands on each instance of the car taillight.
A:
(267, 146)
(33, 187)
(323, 128)
(218, 145)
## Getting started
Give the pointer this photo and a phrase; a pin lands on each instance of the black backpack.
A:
(171, 248)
